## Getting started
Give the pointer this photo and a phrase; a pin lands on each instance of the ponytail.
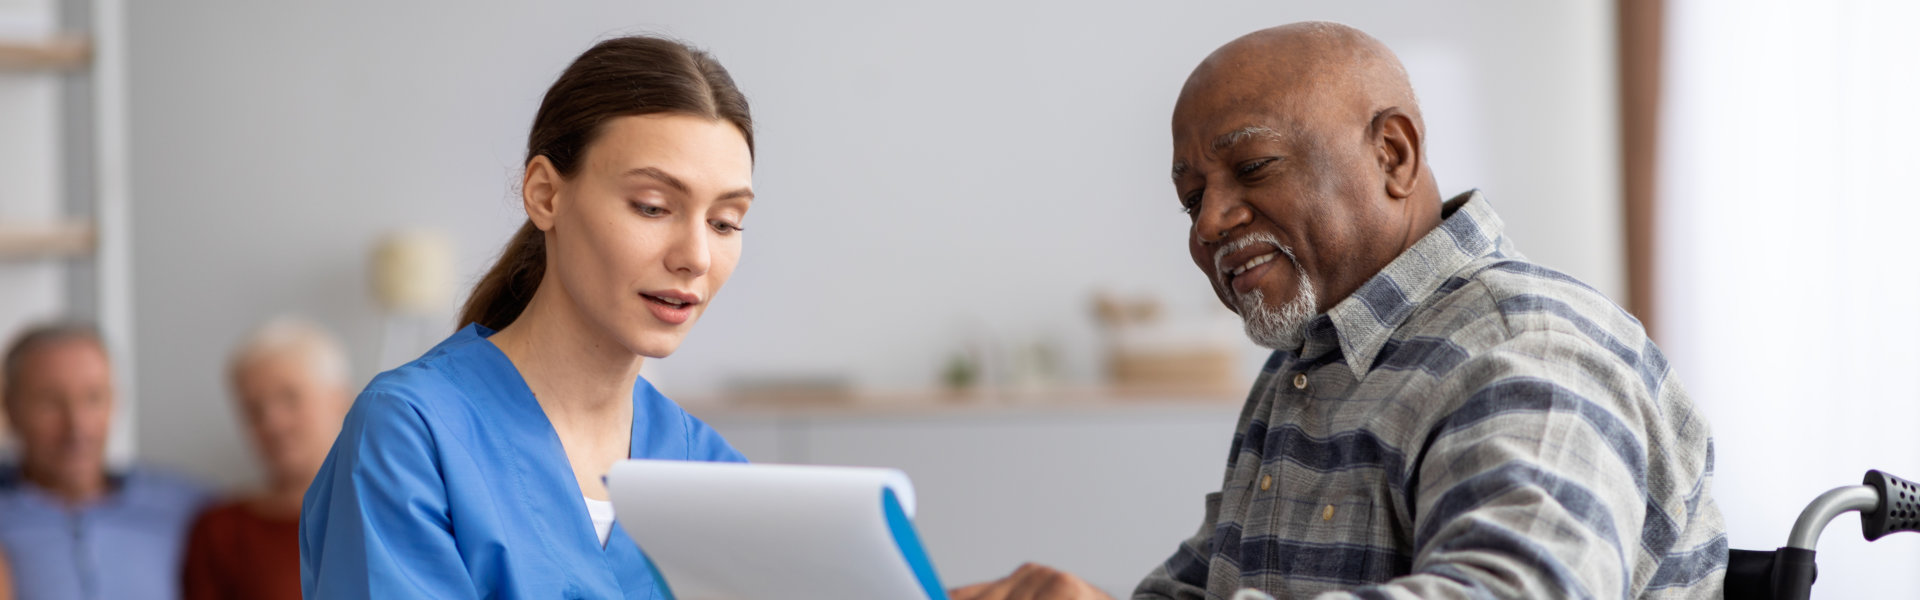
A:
(500, 296)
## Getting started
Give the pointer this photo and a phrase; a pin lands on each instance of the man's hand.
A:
(1032, 582)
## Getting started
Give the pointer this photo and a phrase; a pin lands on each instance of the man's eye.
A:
(1191, 203)
(1249, 167)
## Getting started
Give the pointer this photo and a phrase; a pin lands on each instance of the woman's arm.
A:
(376, 520)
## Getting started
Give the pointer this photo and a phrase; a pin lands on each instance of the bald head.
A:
(1321, 74)
(1302, 142)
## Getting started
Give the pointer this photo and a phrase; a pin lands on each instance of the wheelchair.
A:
(1887, 504)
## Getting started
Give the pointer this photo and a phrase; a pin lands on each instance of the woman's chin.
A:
(652, 344)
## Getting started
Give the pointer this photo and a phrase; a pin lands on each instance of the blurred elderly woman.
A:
(289, 381)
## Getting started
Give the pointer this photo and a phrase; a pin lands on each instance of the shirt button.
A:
(1299, 381)
(1327, 515)
(1266, 482)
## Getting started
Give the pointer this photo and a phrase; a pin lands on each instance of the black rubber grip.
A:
(1793, 574)
(1899, 506)
(1749, 575)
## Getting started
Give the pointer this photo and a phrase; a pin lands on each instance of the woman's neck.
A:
(574, 368)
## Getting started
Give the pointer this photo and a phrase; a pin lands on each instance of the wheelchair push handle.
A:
(1898, 510)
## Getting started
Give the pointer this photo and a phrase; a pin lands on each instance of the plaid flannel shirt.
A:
(1466, 425)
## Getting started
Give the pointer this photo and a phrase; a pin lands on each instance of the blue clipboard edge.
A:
(904, 536)
(910, 548)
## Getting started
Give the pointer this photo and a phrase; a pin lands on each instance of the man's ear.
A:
(540, 192)
(1397, 145)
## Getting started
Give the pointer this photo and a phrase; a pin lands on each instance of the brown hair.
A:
(626, 76)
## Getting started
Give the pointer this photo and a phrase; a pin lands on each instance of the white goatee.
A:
(1281, 328)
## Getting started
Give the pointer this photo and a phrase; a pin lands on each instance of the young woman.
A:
(475, 470)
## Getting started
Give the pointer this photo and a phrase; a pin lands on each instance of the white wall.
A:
(925, 171)
(1788, 280)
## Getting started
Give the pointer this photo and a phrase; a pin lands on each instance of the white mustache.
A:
(1246, 241)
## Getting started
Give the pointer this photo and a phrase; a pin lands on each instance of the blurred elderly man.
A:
(289, 381)
(1440, 417)
(71, 528)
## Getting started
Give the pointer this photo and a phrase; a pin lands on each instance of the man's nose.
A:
(1220, 214)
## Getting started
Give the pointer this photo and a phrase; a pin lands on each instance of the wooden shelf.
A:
(893, 403)
(22, 241)
(55, 54)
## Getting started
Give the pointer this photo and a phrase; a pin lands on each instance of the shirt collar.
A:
(1361, 324)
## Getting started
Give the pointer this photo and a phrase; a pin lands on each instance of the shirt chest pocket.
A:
(1317, 528)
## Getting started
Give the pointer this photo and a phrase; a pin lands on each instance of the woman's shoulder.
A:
(672, 432)
(434, 381)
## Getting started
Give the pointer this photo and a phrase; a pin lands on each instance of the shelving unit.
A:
(60, 53)
(63, 192)
(72, 238)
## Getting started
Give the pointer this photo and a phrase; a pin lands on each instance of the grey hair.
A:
(320, 350)
(33, 340)
(1276, 328)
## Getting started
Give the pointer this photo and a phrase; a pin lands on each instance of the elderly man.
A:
(290, 386)
(1440, 418)
(70, 528)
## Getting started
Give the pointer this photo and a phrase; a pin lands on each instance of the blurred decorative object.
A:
(1145, 349)
(63, 239)
(59, 53)
(962, 371)
(1036, 366)
(413, 272)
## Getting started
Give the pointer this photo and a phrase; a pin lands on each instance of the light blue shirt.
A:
(127, 544)
(447, 481)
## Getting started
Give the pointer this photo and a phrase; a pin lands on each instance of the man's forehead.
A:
(1207, 139)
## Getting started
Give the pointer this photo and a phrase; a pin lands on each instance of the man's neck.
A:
(73, 491)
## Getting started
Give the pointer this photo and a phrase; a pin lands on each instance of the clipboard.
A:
(736, 531)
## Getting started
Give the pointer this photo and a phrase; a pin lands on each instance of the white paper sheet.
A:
(731, 531)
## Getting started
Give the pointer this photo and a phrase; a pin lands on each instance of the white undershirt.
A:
(602, 513)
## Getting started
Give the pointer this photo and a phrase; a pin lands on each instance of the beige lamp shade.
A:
(413, 271)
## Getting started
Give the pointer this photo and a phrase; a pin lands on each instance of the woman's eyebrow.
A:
(680, 186)
(661, 176)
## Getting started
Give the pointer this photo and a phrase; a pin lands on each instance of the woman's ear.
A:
(540, 192)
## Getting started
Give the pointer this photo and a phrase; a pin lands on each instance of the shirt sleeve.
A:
(1533, 481)
(1184, 575)
(376, 523)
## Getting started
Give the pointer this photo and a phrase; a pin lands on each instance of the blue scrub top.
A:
(447, 481)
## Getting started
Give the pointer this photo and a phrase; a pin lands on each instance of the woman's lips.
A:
(668, 312)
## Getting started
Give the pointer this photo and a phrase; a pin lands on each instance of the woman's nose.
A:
(690, 253)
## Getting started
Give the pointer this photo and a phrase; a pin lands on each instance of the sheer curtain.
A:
(1789, 285)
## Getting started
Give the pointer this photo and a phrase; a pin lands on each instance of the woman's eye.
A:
(724, 227)
(649, 210)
